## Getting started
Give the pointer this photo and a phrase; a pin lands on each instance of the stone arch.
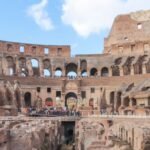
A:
(71, 69)
(35, 66)
(47, 68)
(49, 101)
(84, 73)
(58, 72)
(71, 100)
(134, 102)
(126, 101)
(118, 61)
(104, 72)
(47, 73)
(115, 71)
(139, 64)
(23, 71)
(127, 66)
(83, 67)
(93, 72)
(27, 99)
(11, 67)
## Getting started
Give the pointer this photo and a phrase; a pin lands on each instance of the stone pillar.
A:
(130, 102)
(115, 101)
(63, 72)
(1, 66)
(79, 72)
(88, 72)
(52, 71)
(144, 69)
(29, 66)
(122, 100)
(17, 66)
(4, 66)
(99, 73)
(132, 70)
(121, 71)
(41, 67)
(110, 72)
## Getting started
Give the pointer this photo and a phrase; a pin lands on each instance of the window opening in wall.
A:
(21, 49)
(48, 90)
(46, 51)
(83, 94)
(92, 90)
(11, 71)
(146, 48)
(58, 93)
(58, 72)
(38, 89)
(59, 51)
(139, 26)
(47, 73)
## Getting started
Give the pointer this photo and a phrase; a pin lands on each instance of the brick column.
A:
(41, 67)
(121, 71)
(132, 70)
(17, 66)
(110, 72)
(144, 69)
(29, 66)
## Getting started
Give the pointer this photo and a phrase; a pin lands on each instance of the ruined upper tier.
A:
(129, 33)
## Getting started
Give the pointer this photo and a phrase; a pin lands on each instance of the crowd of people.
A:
(52, 111)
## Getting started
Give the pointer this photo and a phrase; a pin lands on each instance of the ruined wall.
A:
(129, 34)
(29, 135)
(112, 134)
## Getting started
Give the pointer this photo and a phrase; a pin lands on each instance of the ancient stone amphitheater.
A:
(110, 90)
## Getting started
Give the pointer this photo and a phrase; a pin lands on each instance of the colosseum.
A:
(111, 91)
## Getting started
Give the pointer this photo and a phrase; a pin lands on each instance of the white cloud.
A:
(91, 16)
(40, 15)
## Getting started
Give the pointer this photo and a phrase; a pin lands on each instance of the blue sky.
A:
(83, 24)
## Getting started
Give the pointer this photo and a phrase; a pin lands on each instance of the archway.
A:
(104, 72)
(134, 103)
(22, 67)
(115, 71)
(35, 67)
(84, 73)
(11, 67)
(58, 72)
(47, 73)
(93, 72)
(70, 100)
(27, 99)
(71, 69)
(126, 101)
(49, 101)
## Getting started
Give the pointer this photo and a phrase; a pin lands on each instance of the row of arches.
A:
(71, 69)
(116, 101)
